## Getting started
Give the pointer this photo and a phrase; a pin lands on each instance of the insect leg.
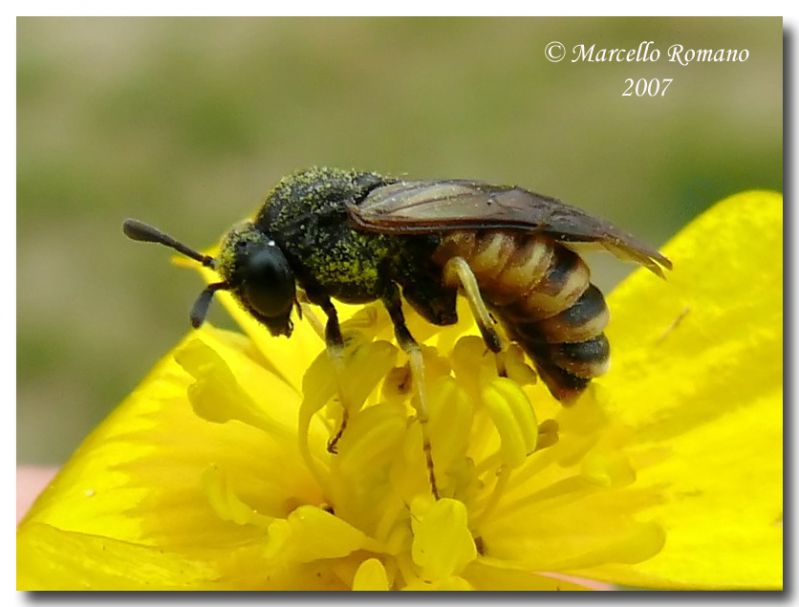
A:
(457, 271)
(393, 304)
(335, 350)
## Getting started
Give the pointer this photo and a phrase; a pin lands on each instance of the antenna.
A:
(200, 307)
(136, 230)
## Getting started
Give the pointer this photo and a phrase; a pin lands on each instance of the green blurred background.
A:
(186, 123)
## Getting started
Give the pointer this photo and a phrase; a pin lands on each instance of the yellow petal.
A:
(607, 469)
(218, 397)
(707, 340)
(451, 415)
(362, 487)
(227, 505)
(365, 367)
(138, 476)
(723, 507)
(454, 582)
(587, 527)
(52, 559)
(310, 534)
(442, 543)
(493, 574)
(697, 375)
(371, 575)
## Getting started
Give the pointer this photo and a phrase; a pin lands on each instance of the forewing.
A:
(427, 207)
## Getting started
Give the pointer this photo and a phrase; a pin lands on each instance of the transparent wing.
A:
(427, 207)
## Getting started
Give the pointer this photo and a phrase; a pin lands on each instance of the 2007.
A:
(646, 87)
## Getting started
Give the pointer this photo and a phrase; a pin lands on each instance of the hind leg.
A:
(458, 273)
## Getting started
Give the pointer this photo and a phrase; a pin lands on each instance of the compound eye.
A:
(268, 284)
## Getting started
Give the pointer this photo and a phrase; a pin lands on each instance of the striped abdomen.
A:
(541, 292)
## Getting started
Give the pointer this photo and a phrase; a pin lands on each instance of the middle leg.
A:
(393, 304)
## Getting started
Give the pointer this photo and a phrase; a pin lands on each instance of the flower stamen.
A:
(547, 434)
(503, 476)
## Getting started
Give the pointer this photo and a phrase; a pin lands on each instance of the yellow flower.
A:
(214, 473)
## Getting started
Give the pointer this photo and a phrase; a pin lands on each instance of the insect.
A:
(360, 236)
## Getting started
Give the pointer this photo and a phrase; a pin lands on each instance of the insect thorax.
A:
(306, 215)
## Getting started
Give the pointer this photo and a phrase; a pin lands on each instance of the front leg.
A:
(335, 350)
(393, 303)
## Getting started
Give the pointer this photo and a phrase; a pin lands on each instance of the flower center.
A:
(481, 427)
(497, 460)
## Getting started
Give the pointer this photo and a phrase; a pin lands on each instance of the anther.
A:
(547, 434)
